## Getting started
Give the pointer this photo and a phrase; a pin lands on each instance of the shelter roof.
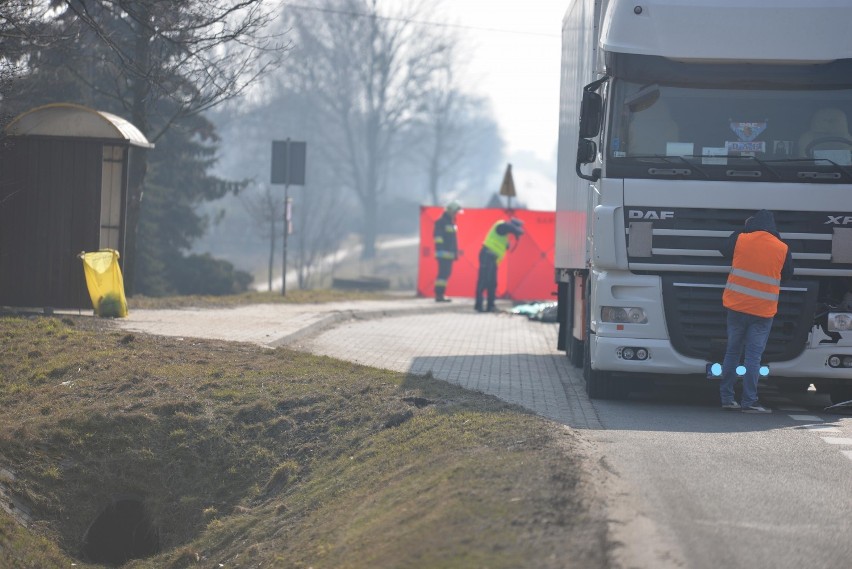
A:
(70, 120)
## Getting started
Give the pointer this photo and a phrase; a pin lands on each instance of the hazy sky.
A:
(517, 66)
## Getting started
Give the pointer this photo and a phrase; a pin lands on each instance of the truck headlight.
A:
(623, 315)
(839, 321)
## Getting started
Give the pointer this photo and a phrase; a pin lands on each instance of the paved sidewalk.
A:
(505, 355)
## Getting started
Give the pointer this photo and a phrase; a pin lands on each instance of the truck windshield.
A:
(760, 135)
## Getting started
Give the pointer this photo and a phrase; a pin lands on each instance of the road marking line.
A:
(822, 428)
(848, 453)
(792, 409)
(805, 418)
(837, 441)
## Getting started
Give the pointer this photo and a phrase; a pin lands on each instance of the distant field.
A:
(396, 260)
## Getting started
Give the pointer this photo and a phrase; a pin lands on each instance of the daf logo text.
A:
(650, 214)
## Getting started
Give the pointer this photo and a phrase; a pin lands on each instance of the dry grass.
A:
(257, 458)
(292, 297)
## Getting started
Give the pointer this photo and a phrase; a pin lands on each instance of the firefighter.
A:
(445, 235)
(493, 250)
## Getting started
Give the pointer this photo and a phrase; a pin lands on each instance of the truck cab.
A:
(671, 136)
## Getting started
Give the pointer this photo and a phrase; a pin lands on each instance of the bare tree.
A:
(265, 209)
(450, 126)
(319, 228)
(368, 68)
(162, 61)
(24, 26)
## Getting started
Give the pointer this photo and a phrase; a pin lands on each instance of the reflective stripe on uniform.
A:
(755, 277)
(751, 292)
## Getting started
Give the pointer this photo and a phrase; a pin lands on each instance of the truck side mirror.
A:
(591, 113)
(586, 151)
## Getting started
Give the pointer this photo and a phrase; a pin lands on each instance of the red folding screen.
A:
(526, 272)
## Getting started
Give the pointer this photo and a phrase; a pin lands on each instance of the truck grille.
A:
(696, 319)
(688, 240)
(684, 252)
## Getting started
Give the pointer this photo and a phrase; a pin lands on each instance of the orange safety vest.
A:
(754, 282)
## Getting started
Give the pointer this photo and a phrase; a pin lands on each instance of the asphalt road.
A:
(733, 490)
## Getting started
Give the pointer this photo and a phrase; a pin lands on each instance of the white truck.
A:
(678, 120)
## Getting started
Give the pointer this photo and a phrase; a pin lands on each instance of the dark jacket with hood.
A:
(763, 220)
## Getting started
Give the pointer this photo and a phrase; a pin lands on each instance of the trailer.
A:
(678, 120)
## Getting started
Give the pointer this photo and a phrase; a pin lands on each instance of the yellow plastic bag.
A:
(105, 283)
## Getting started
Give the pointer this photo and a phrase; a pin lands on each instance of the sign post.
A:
(288, 167)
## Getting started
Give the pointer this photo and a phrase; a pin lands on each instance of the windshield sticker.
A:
(714, 155)
(748, 131)
(739, 146)
(679, 148)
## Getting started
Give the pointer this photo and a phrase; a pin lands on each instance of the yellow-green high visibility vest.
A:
(496, 243)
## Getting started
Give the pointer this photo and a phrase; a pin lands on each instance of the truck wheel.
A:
(599, 384)
(840, 394)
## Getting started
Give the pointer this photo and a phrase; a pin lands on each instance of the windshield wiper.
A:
(762, 163)
(668, 160)
(818, 162)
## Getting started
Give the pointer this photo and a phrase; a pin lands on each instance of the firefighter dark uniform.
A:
(493, 250)
(445, 235)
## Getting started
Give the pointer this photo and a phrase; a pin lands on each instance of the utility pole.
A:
(286, 219)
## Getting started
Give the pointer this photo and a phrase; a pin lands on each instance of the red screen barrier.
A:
(526, 272)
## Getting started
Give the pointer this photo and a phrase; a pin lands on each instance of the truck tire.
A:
(599, 384)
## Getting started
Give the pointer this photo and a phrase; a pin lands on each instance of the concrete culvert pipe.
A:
(123, 531)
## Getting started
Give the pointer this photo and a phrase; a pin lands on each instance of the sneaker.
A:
(756, 408)
(443, 299)
(732, 406)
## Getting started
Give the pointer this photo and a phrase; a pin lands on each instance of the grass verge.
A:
(248, 457)
(297, 296)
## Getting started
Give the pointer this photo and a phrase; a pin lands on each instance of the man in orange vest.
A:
(760, 261)
(493, 250)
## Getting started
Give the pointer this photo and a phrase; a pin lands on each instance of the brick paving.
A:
(507, 356)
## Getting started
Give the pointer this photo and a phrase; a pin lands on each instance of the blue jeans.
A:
(746, 333)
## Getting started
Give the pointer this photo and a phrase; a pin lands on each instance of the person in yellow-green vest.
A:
(445, 235)
(493, 250)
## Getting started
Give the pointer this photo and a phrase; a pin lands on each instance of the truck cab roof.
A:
(783, 31)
